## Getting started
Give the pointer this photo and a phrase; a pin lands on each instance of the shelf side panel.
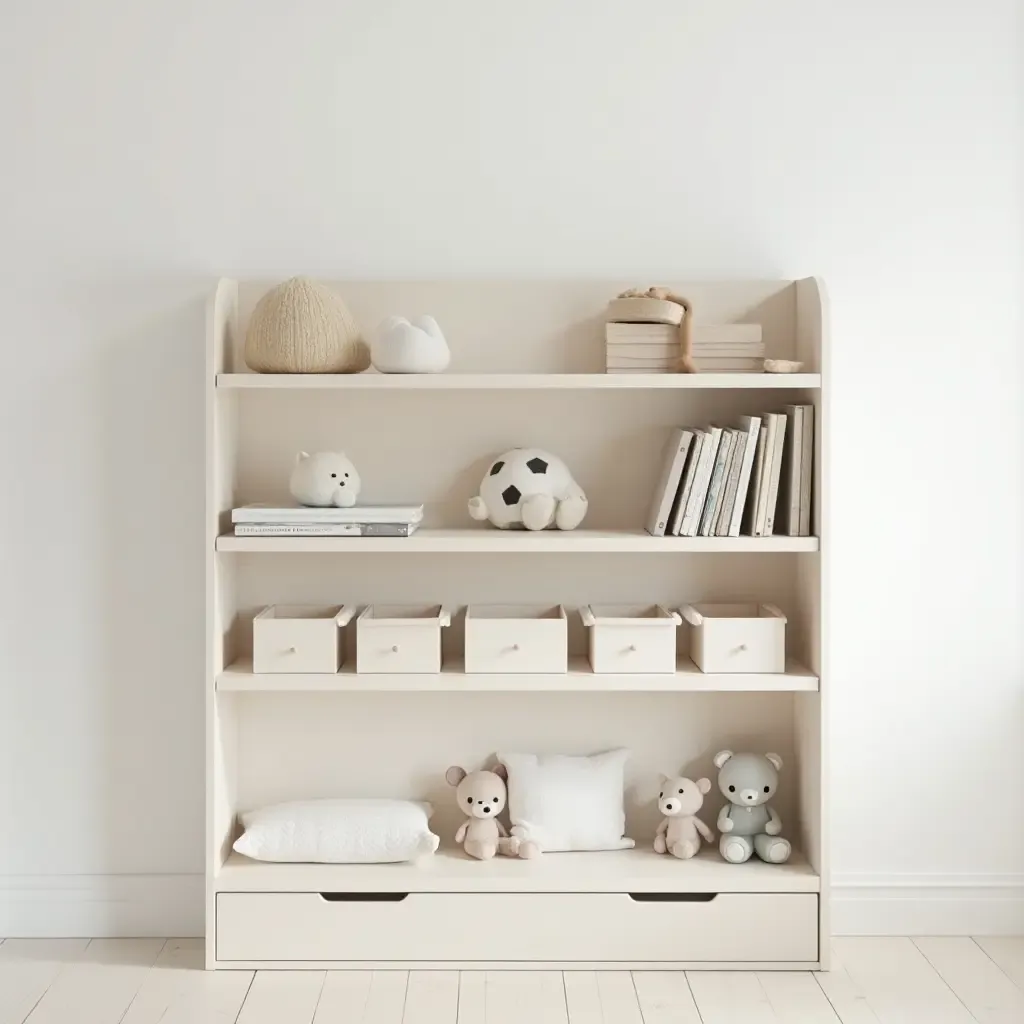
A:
(812, 710)
(221, 438)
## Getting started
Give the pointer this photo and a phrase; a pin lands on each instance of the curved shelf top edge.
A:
(519, 381)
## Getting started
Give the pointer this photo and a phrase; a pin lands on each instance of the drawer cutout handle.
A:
(672, 897)
(363, 897)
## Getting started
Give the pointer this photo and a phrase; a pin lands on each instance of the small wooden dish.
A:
(783, 366)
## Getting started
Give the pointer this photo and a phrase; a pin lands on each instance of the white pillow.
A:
(338, 832)
(568, 803)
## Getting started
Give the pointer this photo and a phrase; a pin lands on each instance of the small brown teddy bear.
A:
(679, 800)
(481, 796)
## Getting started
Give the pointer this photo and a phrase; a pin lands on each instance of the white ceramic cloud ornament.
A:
(531, 488)
(323, 479)
(401, 346)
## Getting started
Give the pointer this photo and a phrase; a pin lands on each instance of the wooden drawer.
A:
(312, 926)
(737, 637)
(629, 638)
(393, 638)
(299, 638)
(516, 639)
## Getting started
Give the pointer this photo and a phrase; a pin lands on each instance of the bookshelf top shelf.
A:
(518, 381)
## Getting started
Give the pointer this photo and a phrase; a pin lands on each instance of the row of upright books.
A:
(752, 479)
(259, 520)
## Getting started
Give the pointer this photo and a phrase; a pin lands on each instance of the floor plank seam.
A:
(248, 989)
(319, 996)
(938, 974)
(994, 963)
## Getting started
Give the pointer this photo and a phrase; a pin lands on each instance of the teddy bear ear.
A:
(704, 785)
(775, 760)
(455, 775)
(302, 456)
(501, 771)
(721, 757)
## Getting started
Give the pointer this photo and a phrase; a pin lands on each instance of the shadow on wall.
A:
(145, 381)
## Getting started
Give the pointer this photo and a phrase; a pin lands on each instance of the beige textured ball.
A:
(301, 326)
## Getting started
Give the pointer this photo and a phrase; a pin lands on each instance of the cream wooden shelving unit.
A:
(527, 361)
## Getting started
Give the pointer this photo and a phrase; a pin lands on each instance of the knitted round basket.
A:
(302, 326)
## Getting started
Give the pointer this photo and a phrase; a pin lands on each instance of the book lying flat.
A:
(263, 513)
(325, 529)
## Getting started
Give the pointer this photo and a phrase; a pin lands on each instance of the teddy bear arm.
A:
(709, 836)
(662, 828)
(461, 834)
(502, 831)
(724, 821)
(774, 824)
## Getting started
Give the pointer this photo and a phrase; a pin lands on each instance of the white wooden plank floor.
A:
(149, 981)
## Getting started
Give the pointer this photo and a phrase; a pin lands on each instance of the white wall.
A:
(148, 147)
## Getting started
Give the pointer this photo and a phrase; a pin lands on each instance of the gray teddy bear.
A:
(747, 823)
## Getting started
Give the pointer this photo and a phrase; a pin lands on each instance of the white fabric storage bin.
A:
(299, 638)
(631, 638)
(737, 637)
(400, 638)
(516, 638)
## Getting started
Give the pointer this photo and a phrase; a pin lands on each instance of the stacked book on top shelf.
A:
(654, 348)
(261, 520)
(753, 478)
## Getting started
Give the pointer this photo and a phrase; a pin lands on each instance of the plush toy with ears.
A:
(482, 796)
(747, 822)
(324, 479)
(679, 800)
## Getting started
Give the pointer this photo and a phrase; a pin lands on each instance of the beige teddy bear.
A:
(679, 800)
(482, 796)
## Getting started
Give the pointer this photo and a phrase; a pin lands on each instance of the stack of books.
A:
(654, 348)
(752, 479)
(261, 520)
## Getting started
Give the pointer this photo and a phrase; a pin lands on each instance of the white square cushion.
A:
(568, 803)
(338, 832)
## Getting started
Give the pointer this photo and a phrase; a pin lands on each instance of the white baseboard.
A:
(928, 905)
(101, 906)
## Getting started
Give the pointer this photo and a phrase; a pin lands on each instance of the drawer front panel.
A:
(518, 926)
(516, 645)
(291, 645)
(636, 649)
(399, 649)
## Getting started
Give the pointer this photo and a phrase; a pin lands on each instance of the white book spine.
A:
(751, 426)
(750, 512)
(772, 495)
(668, 483)
(714, 490)
(806, 470)
(686, 487)
(695, 504)
(724, 518)
(339, 516)
(297, 530)
(791, 463)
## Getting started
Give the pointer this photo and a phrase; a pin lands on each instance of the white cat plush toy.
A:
(323, 479)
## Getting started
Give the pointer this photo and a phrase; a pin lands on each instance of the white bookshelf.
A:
(526, 370)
